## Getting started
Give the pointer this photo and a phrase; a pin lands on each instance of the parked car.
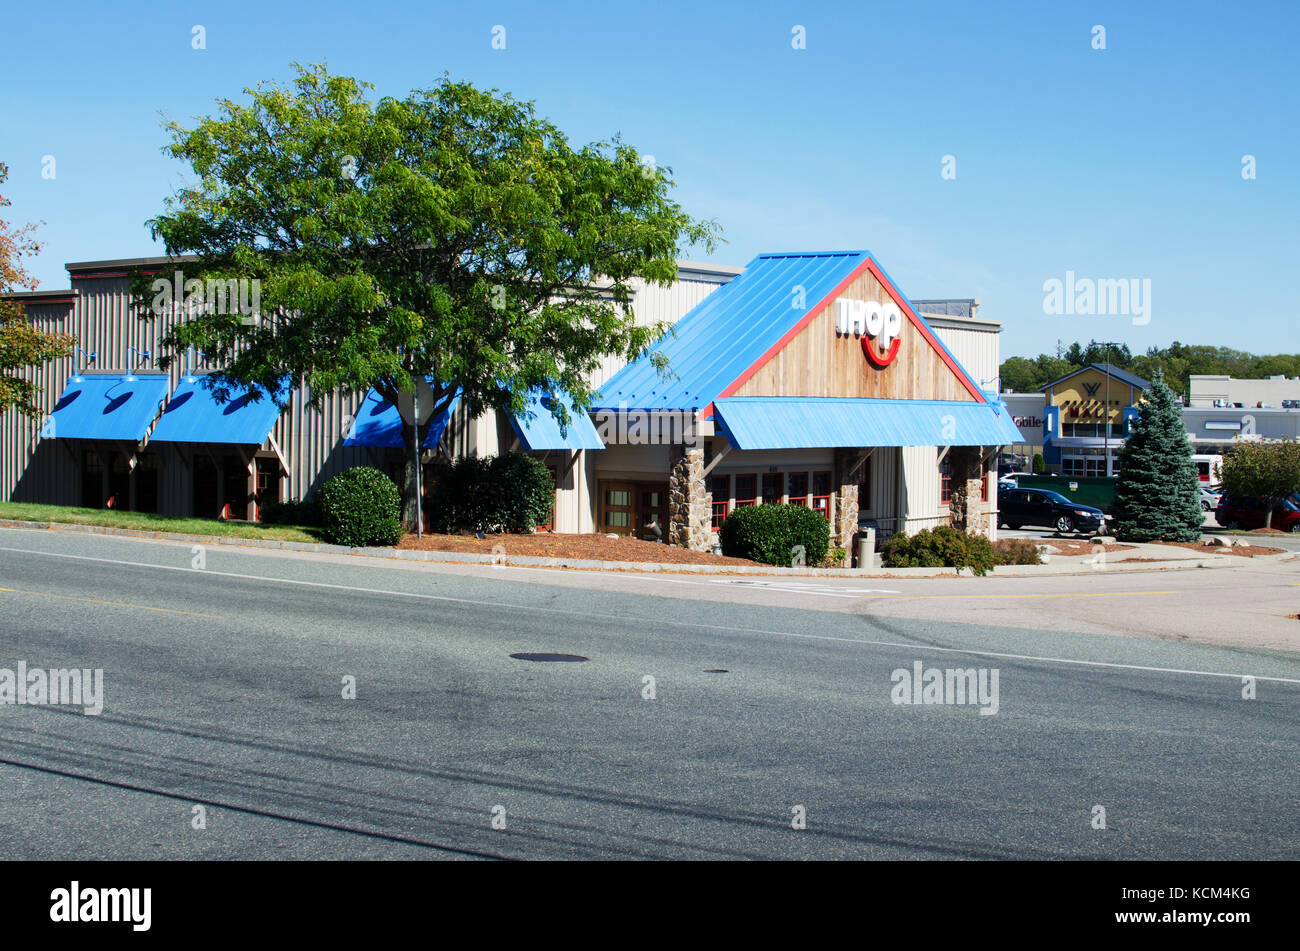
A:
(1042, 507)
(1234, 512)
(1210, 499)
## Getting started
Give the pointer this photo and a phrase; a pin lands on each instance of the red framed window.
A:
(720, 487)
(771, 488)
(945, 482)
(746, 491)
(821, 494)
(797, 483)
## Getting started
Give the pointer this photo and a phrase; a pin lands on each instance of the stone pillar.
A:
(690, 510)
(845, 523)
(965, 512)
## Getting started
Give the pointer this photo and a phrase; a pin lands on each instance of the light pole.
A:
(1107, 345)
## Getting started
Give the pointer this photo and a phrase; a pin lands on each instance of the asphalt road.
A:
(224, 683)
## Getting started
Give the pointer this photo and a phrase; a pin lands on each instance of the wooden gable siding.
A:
(820, 362)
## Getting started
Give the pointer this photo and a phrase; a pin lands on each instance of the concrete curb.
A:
(1060, 565)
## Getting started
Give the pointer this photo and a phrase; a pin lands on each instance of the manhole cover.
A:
(717, 670)
(550, 658)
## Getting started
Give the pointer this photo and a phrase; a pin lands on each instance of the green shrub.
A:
(945, 547)
(361, 507)
(305, 512)
(1017, 551)
(512, 492)
(1040, 464)
(770, 533)
(941, 547)
(834, 558)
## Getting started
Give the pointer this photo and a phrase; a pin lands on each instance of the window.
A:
(821, 490)
(864, 486)
(720, 487)
(945, 483)
(798, 488)
(746, 490)
(771, 488)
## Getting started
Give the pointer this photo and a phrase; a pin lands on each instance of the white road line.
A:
(652, 621)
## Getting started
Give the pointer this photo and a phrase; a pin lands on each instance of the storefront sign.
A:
(871, 321)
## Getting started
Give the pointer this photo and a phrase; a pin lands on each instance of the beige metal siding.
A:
(975, 349)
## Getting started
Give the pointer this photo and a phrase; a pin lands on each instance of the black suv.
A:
(1042, 507)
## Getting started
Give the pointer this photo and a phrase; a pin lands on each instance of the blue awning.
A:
(106, 406)
(538, 429)
(379, 425)
(194, 415)
(786, 422)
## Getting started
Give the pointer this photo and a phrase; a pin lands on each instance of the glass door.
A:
(617, 508)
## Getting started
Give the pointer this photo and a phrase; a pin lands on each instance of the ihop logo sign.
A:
(879, 326)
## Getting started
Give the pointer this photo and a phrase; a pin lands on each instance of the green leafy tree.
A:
(21, 345)
(1256, 469)
(450, 235)
(1019, 375)
(1156, 493)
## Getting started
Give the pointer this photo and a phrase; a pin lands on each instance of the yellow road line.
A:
(111, 604)
(1102, 594)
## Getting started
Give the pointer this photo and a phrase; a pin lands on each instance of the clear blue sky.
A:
(1122, 163)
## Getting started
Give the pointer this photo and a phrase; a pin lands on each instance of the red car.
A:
(1249, 513)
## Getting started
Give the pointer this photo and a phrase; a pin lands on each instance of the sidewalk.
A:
(1153, 558)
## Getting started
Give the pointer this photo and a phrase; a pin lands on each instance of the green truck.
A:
(1097, 491)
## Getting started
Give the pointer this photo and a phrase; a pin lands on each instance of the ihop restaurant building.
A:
(804, 378)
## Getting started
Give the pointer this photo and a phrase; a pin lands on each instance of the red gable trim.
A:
(917, 322)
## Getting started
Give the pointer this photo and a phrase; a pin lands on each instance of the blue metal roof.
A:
(787, 422)
(194, 415)
(722, 336)
(730, 330)
(106, 406)
(542, 430)
(1128, 379)
(378, 424)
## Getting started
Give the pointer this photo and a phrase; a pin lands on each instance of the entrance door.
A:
(652, 511)
(268, 483)
(618, 507)
(92, 480)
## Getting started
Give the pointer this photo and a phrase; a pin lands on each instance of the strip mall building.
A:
(806, 378)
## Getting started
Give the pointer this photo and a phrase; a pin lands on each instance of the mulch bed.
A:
(1245, 551)
(1064, 546)
(575, 547)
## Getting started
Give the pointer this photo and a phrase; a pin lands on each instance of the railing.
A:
(822, 505)
(892, 525)
(719, 514)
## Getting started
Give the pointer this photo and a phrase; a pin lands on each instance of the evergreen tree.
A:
(1156, 496)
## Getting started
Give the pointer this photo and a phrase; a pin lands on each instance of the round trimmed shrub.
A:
(770, 534)
(361, 507)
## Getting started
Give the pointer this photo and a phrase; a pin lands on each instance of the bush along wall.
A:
(361, 507)
(512, 492)
(776, 535)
